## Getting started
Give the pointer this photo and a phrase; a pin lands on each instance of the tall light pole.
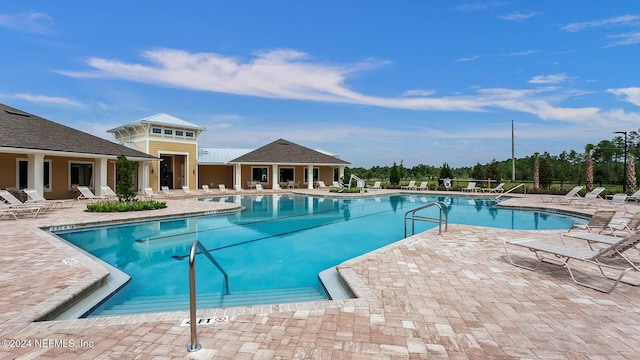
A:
(624, 176)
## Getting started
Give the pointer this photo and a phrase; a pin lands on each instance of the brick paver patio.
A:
(449, 296)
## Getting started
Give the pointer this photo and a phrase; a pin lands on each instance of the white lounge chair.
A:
(238, 187)
(376, 186)
(618, 200)
(634, 197)
(322, 186)
(497, 189)
(471, 187)
(222, 188)
(276, 187)
(148, 193)
(565, 254)
(410, 186)
(87, 194)
(566, 198)
(336, 185)
(35, 197)
(166, 191)
(423, 186)
(597, 223)
(206, 189)
(186, 190)
(259, 187)
(18, 207)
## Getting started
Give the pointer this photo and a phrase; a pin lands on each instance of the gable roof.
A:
(28, 132)
(282, 151)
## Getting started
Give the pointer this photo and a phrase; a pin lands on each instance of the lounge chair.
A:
(186, 190)
(237, 187)
(222, 187)
(166, 191)
(108, 193)
(322, 186)
(376, 186)
(565, 254)
(259, 187)
(18, 207)
(566, 198)
(87, 194)
(423, 186)
(618, 200)
(206, 189)
(471, 187)
(149, 194)
(410, 186)
(497, 189)
(590, 197)
(35, 197)
(7, 210)
(635, 196)
(336, 185)
(276, 187)
(626, 224)
(599, 222)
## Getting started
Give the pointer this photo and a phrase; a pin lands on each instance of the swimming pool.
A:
(273, 250)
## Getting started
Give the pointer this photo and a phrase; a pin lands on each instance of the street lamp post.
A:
(624, 176)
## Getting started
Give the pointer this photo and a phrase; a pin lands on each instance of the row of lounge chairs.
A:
(592, 198)
(34, 205)
(604, 248)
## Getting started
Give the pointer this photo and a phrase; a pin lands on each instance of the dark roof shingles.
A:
(19, 129)
(285, 152)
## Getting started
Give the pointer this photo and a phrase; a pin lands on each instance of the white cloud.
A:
(631, 38)
(548, 79)
(289, 74)
(47, 99)
(631, 94)
(625, 20)
(30, 22)
(518, 16)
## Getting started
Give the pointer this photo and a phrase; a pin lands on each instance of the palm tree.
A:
(536, 172)
(588, 182)
(631, 173)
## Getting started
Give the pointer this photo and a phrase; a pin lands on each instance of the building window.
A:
(316, 173)
(286, 174)
(179, 133)
(168, 132)
(259, 174)
(23, 174)
(80, 174)
(336, 174)
(156, 130)
(189, 134)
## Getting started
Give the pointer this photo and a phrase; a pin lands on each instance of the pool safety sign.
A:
(218, 320)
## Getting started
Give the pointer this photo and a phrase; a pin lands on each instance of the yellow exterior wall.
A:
(158, 148)
(8, 172)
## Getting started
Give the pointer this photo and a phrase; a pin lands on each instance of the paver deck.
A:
(449, 296)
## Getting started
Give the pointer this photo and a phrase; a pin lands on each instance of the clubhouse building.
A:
(52, 158)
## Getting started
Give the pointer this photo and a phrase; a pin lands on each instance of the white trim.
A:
(48, 161)
(93, 173)
(69, 154)
(260, 167)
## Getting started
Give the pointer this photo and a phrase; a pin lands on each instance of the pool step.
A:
(145, 304)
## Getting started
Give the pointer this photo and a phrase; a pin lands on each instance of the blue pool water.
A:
(277, 243)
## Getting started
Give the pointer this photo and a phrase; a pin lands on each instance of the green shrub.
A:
(122, 206)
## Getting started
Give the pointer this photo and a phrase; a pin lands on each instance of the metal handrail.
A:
(439, 204)
(510, 190)
(194, 345)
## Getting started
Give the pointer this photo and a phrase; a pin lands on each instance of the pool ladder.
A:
(194, 345)
(441, 206)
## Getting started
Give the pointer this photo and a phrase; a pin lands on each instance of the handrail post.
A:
(194, 345)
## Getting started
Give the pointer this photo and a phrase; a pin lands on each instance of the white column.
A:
(100, 176)
(36, 172)
(237, 172)
(143, 175)
(310, 177)
(275, 175)
(340, 172)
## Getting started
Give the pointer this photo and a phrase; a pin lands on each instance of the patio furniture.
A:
(87, 194)
(471, 187)
(206, 189)
(564, 254)
(148, 193)
(598, 222)
(566, 198)
(410, 186)
(222, 187)
(33, 196)
(166, 191)
(618, 200)
(423, 186)
(376, 186)
(497, 189)
(108, 193)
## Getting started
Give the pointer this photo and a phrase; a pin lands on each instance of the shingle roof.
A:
(285, 152)
(21, 130)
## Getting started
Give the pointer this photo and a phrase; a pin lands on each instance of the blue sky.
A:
(425, 82)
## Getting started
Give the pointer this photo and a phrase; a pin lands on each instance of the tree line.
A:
(607, 159)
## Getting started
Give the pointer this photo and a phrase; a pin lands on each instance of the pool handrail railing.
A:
(194, 345)
(440, 204)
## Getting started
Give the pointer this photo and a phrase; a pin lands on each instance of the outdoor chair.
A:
(590, 197)
(627, 224)
(423, 186)
(599, 222)
(376, 186)
(471, 187)
(87, 194)
(322, 186)
(149, 194)
(166, 191)
(566, 198)
(206, 189)
(108, 193)
(18, 207)
(618, 200)
(562, 254)
(186, 190)
(34, 197)
(259, 187)
(410, 186)
(222, 188)
(497, 189)
(276, 187)
(635, 196)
